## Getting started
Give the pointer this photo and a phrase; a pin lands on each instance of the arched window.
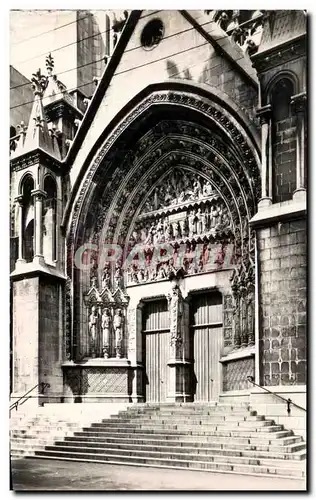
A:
(283, 141)
(28, 219)
(49, 220)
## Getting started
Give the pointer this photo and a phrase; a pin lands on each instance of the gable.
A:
(182, 54)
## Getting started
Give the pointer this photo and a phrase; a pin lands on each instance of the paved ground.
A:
(48, 475)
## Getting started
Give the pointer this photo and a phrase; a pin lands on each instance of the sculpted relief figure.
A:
(93, 330)
(207, 189)
(158, 236)
(106, 332)
(150, 236)
(213, 216)
(118, 332)
(118, 277)
(191, 220)
(106, 277)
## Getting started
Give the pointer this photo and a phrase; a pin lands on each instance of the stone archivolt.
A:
(180, 182)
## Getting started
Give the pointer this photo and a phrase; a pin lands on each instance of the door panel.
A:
(206, 337)
(156, 350)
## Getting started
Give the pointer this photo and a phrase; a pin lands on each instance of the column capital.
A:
(19, 200)
(39, 193)
(298, 103)
(264, 113)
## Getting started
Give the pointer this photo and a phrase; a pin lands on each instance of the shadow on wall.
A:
(90, 52)
(174, 72)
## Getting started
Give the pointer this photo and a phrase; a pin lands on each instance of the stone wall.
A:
(25, 331)
(50, 337)
(183, 54)
(283, 336)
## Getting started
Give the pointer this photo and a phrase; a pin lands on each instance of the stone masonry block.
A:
(265, 255)
(264, 233)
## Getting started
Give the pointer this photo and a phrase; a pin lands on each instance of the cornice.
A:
(275, 56)
(61, 108)
(37, 156)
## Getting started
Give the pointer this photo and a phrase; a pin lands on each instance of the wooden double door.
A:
(155, 350)
(205, 341)
(206, 338)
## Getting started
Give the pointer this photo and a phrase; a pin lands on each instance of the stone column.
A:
(39, 194)
(298, 103)
(134, 352)
(178, 366)
(264, 115)
(19, 201)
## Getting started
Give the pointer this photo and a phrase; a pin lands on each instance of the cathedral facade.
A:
(158, 224)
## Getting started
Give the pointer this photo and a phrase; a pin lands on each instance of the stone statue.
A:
(106, 277)
(168, 197)
(118, 331)
(159, 232)
(93, 329)
(182, 228)
(207, 189)
(106, 332)
(168, 232)
(150, 236)
(198, 221)
(176, 230)
(175, 311)
(161, 273)
(118, 277)
(181, 197)
(213, 216)
(94, 282)
(197, 189)
(140, 275)
(191, 220)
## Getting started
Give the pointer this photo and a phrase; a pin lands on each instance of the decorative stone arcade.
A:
(175, 195)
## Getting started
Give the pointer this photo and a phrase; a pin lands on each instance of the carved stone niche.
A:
(243, 291)
(106, 311)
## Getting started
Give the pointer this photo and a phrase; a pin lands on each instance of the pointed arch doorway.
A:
(179, 168)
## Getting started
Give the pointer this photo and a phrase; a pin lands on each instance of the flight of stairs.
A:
(214, 437)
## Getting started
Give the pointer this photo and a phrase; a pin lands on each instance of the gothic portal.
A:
(174, 194)
(158, 213)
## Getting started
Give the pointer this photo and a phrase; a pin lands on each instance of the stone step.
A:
(260, 426)
(193, 420)
(195, 454)
(176, 463)
(207, 411)
(135, 423)
(183, 448)
(223, 442)
(163, 433)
